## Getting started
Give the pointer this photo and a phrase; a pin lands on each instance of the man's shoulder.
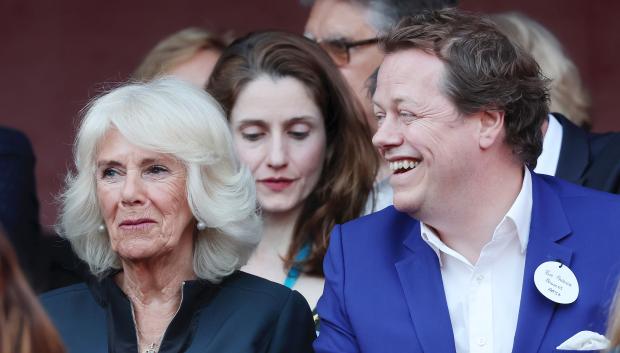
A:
(14, 142)
(569, 191)
(386, 218)
(386, 228)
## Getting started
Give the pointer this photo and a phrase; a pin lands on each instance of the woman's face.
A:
(279, 133)
(142, 198)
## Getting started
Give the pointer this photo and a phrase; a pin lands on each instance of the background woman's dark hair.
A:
(24, 326)
(484, 70)
(351, 162)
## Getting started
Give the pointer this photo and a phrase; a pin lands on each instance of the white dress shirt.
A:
(552, 144)
(483, 298)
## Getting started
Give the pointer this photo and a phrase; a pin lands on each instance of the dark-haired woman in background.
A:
(298, 128)
(24, 326)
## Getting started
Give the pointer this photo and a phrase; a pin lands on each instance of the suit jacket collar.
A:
(575, 151)
(549, 226)
(420, 276)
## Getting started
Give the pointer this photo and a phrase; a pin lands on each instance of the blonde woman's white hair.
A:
(172, 117)
(567, 93)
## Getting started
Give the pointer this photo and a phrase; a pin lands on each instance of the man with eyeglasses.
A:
(348, 30)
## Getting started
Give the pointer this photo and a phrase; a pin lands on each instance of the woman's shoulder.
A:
(256, 290)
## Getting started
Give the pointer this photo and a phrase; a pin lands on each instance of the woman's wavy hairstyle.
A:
(176, 49)
(351, 162)
(24, 325)
(568, 94)
(484, 70)
(172, 117)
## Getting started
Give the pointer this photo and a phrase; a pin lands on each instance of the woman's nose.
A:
(278, 155)
(132, 192)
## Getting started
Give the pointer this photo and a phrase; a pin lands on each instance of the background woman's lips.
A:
(277, 184)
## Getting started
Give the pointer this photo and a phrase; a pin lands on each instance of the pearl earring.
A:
(201, 225)
(101, 228)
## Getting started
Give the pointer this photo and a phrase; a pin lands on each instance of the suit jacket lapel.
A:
(420, 277)
(575, 151)
(548, 226)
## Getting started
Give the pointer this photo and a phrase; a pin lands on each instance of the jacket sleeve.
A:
(294, 330)
(336, 332)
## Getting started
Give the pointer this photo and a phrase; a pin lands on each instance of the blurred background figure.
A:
(164, 215)
(296, 125)
(349, 30)
(188, 54)
(569, 150)
(568, 95)
(24, 326)
(19, 207)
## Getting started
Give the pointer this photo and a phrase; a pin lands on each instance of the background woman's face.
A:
(142, 199)
(279, 133)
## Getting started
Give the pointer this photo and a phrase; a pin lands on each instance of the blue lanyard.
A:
(293, 274)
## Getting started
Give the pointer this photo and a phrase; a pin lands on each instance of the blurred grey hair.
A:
(567, 93)
(382, 15)
(172, 117)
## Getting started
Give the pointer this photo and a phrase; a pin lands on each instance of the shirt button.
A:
(482, 341)
(479, 278)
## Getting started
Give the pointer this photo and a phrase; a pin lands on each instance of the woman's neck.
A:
(278, 231)
(154, 288)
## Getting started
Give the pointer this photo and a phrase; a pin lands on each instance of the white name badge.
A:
(556, 282)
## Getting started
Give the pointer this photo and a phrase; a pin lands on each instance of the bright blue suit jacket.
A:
(384, 291)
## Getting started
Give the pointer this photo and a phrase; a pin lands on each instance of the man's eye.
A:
(407, 116)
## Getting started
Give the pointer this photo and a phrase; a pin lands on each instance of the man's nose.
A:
(388, 134)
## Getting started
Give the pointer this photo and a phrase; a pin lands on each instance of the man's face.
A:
(432, 149)
(340, 20)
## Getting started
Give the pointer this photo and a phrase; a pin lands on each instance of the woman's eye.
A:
(157, 169)
(109, 173)
(299, 135)
(252, 136)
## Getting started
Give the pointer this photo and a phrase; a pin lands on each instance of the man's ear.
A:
(491, 127)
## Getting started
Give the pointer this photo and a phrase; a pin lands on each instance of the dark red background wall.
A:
(54, 56)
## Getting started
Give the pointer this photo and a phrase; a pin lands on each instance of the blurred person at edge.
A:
(164, 215)
(188, 54)
(348, 30)
(451, 266)
(569, 150)
(295, 124)
(24, 326)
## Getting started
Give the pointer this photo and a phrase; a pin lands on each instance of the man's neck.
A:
(468, 226)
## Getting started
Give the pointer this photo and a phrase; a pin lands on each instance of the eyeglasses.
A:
(338, 49)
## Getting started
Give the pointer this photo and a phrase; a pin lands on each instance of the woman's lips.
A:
(277, 184)
(136, 224)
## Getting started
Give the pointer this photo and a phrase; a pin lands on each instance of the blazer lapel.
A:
(420, 277)
(574, 153)
(548, 226)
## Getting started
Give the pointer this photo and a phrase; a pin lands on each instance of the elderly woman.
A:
(164, 216)
(302, 133)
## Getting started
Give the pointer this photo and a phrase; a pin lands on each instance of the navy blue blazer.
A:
(589, 159)
(19, 208)
(243, 313)
(384, 291)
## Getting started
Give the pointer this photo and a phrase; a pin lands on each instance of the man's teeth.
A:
(394, 166)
